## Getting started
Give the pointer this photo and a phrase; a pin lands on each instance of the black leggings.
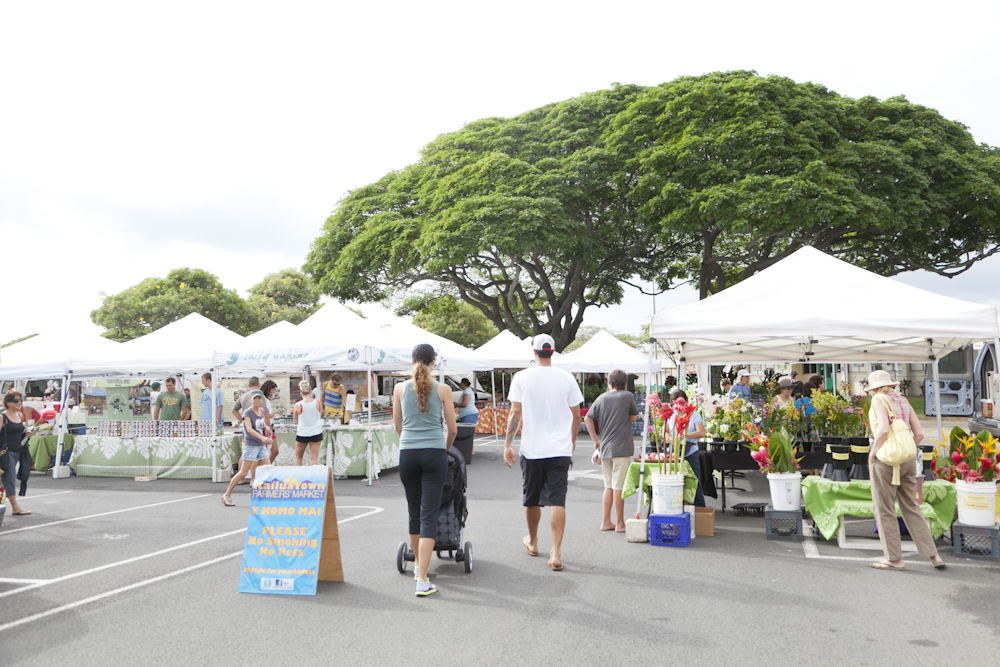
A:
(422, 472)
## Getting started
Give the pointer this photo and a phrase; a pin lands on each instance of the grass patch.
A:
(917, 404)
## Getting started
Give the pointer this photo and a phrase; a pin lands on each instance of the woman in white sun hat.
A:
(885, 494)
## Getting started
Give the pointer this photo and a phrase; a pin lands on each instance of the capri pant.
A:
(422, 472)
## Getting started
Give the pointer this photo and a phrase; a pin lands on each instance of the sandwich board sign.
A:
(292, 540)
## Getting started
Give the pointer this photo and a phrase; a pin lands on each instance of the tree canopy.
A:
(448, 317)
(285, 295)
(758, 167)
(156, 302)
(534, 219)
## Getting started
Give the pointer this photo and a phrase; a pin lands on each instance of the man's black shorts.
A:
(545, 481)
(309, 438)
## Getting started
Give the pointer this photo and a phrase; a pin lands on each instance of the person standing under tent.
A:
(171, 405)
(548, 399)
(256, 434)
(613, 412)
(786, 389)
(886, 407)
(309, 425)
(742, 387)
(11, 434)
(270, 390)
(467, 411)
(334, 395)
(424, 418)
(206, 401)
(695, 432)
(243, 402)
(154, 394)
(796, 384)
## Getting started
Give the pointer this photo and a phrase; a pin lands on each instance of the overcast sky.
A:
(140, 137)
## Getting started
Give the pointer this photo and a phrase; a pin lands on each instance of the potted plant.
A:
(775, 456)
(971, 464)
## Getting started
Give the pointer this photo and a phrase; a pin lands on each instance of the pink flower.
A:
(652, 400)
(956, 457)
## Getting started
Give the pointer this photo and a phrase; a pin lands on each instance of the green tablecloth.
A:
(827, 501)
(43, 447)
(632, 481)
(178, 458)
(350, 449)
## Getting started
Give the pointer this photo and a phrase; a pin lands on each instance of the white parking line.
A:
(6, 580)
(93, 516)
(44, 495)
(162, 577)
(811, 551)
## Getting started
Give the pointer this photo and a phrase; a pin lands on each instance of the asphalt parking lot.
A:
(117, 572)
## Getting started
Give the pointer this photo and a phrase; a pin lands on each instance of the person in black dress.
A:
(11, 434)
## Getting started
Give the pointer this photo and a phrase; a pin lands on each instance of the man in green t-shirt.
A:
(171, 405)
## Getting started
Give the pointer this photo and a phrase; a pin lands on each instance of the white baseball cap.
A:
(744, 373)
(543, 342)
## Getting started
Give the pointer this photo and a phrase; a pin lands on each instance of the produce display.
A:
(154, 429)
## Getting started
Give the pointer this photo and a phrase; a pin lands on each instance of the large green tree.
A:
(448, 317)
(285, 295)
(756, 168)
(156, 302)
(709, 179)
(527, 219)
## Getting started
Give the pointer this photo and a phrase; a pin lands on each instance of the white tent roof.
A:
(508, 351)
(811, 307)
(604, 353)
(186, 345)
(276, 335)
(51, 355)
(332, 319)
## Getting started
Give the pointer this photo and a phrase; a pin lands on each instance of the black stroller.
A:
(451, 520)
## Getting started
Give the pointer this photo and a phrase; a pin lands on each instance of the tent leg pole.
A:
(937, 399)
(63, 419)
(645, 435)
(496, 431)
(216, 457)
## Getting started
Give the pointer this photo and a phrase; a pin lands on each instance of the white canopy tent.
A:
(841, 314)
(275, 335)
(52, 355)
(604, 353)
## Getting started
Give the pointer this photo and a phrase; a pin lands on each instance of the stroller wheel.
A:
(467, 557)
(401, 557)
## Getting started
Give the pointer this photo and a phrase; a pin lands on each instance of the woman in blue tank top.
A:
(424, 417)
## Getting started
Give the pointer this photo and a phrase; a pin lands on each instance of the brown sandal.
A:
(526, 541)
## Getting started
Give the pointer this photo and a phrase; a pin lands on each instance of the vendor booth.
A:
(850, 315)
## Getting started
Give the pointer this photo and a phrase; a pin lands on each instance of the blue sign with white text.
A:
(285, 532)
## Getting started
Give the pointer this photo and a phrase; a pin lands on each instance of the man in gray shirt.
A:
(613, 412)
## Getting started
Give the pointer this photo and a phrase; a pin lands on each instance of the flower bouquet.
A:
(773, 453)
(971, 463)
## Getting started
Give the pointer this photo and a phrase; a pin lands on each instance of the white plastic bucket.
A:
(786, 490)
(668, 494)
(977, 503)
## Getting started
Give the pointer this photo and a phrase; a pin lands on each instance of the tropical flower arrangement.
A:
(730, 416)
(970, 458)
(773, 453)
(681, 411)
(836, 417)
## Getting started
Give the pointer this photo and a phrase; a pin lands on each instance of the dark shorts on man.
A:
(545, 481)
(309, 438)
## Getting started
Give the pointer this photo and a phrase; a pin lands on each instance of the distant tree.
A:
(156, 302)
(587, 332)
(448, 317)
(285, 295)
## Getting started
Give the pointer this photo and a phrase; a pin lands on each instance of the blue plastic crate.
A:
(670, 530)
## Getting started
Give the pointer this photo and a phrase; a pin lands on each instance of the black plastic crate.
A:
(782, 525)
(977, 542)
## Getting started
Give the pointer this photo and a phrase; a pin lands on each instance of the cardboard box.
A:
(704, 521)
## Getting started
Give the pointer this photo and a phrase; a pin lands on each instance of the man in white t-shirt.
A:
(549, 400)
